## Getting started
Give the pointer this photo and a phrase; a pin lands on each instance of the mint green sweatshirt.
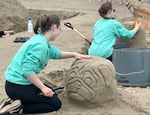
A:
(31, 58)
(105, 32)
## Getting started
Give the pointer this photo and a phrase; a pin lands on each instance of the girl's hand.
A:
(82, 56)
(47, 92)
(138, 24)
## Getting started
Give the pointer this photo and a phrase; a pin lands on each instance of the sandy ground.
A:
(130, 100)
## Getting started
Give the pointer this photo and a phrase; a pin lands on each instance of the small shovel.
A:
(68, 24)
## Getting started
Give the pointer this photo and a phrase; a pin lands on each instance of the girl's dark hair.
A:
(45, 22)
(105, 7)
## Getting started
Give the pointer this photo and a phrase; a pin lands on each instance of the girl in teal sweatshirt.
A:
(105, 32)
(23, 86)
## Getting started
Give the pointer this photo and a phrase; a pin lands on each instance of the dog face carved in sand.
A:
(91, 82)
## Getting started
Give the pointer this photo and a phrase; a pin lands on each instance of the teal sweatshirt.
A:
(31, 58)
(105, 32)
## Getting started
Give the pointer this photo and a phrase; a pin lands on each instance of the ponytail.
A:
(45, 22)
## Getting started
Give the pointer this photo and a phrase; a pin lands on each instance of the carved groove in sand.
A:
(91, 81)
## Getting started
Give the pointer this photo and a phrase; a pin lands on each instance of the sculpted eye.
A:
(89, 79)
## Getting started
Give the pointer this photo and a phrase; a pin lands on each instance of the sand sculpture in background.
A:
(91, 82)
(12, 10)
(13, 15)
(138, 41)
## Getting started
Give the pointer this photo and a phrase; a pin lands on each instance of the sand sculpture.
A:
(91, 82)
(84, 48)
(138, 41)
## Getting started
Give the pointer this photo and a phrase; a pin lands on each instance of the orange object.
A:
(143, 16)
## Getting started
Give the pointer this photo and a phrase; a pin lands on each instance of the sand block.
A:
(91, 82)
(139, 40)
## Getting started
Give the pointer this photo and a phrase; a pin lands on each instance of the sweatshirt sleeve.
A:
(54, 53)
(31, 62)
(123, 32)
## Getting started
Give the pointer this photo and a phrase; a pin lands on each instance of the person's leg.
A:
(43, 107)
(10, 32)
(32, 101)
(8, 105)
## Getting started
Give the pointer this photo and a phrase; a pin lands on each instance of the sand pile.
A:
(12, 15)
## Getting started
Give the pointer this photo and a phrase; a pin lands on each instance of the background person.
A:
(105, 32)
(6, 33)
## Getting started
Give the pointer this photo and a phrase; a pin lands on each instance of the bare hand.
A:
(138, 24)
(47, 92)
(82, 56)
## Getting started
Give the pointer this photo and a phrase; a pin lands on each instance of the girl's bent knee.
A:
(57, 105)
